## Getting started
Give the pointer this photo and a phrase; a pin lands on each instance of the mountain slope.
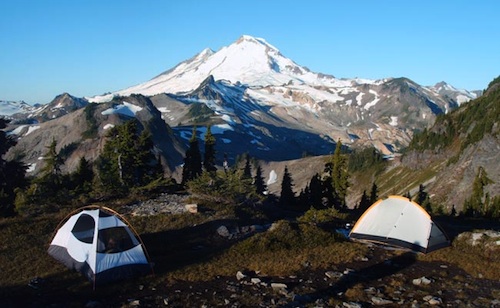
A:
(82, 133)
(446, 157)
(255, 81)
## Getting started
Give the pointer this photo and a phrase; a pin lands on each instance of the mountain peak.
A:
(255, 40)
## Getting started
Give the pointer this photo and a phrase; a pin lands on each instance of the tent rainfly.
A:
(397, 221)
(98, 243)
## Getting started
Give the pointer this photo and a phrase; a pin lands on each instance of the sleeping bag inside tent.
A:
(98, 243)
(399, 222)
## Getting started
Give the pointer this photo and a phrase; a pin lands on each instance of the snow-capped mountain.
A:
(250, 61)
(257, 101)
(459, 95)
(250, 82)
(8, 108)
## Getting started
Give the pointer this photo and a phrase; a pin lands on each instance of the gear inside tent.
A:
(400, 222)
(98, 242)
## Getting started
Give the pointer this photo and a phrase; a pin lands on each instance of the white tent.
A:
(99, 244)
(399, 222)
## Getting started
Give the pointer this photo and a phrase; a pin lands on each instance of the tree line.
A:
(128, 166)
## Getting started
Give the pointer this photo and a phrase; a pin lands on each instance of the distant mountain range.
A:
(256, 100)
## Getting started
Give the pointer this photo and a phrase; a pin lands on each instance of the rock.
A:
(380, 301)
(223, 231)
(351, 305)
(432, 300)
(256, 280)
(240, 275)
(435, 301)
(333, 275)
(278, 286)
(421, 281)
(371, 290)
(427, 298)
(192, 208)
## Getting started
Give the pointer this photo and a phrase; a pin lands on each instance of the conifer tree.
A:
(287, 196)
(12, 173)
(51, 177)
(127, 159)
(315, 192)
(192, 162)
(338, 177)
(260, 186)
(83, 176)
(477, 204)
(247, 171)
(373, 194)
(423, 199)
(364, 203)
(209, 155)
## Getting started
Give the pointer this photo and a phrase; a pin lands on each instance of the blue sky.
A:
(87, 47)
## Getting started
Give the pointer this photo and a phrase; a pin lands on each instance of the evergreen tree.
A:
(209, 155)
(147, 167)
(260, 186)
(423, 199)
(51, 177)
(127, 159)
(247, 171)
(315, 192)
(373, 194)
(192, 162)
(407, 195)
(477, 204)
(287, 196)
(338, 177)
(364, 203)
(12, 173)
(83, 176)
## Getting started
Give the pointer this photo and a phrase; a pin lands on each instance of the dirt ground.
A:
(384, 277)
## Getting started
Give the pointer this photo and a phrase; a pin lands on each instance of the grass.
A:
(185, 247)
(479, 260)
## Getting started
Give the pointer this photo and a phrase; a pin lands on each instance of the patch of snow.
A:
(127, 109)
(31, 129)
(273, 177)
(164, 109)
(227, 118)
(17, 131)
(225, 140)
(108, 126)
(370, 130)
(373, 102)
(359, 97)
(394, 121)
(31, 167)
(462, 99)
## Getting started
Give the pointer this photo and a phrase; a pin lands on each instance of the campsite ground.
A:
(196, 267)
